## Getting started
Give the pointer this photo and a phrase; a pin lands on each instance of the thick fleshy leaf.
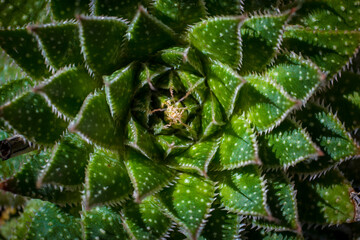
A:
(264, 103)
(60, 43)
(95, 124)
(20, 12)
(224, 7)
(180, 13)
(107, 181)
(197, 157)
(30, 116)
(325, 200)
(242, 191)
(119, 89)
(11, 89)
(261, 37)
(194, 85)
(67, 9)
(103, 223)
(281, 197)
(219, 38)
(264, 234)
(225, 83)
(146, 35)
(173, 145)
(9, 70)
(147, 176)
(330, 50)
(140, 139)
(223, 225)
(50, 222)
(124, 9)
(103, 54)
(287, 145)
(67, 165)
(23, 48)
(67, 90)
(328, 132)
(145, 220)
(188, 203)
(211, 116)
(299, 77)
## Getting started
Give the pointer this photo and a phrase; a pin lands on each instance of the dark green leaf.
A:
(67, 9)
(173, 145)
(212, 118)
(11, 89)
(224, 7)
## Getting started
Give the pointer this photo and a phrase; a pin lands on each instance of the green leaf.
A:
(30, 115)
(172, 144)
(50, 222)
(194, 85)
(330, 50)
(9, 70)
(140, 139)
(225, 83)
(264, 234)
(219, 38)
(325, 200)
(95, 124)
(11, 89)
(287, 145)
(67, 9)
(197, 157)
(261, 37)
(67, 90)
(299, 77)
(147, 177)
(145, 220)
(67, 165)
(188, 203)
(103, 54)
(23, 48)
(60, 43)
(281, 197)
(119, 89)
(211, 116)
(124, 9)
(180, 13)
(146, 35)
(103, 223)
(242, 191)
(107, 181)
(21, 12)
(224, 7)
(264, 103)
(223, 225)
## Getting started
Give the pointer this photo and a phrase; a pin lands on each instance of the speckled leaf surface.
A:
(173, 145)
(68, 9)
(119, 89)
(67, 89)
(146, 35)
(185, 59)
(23, 48)
(219, 38)
(181, 207)
(103, 223)
(238, 146)
(224, 7)
(194, 84)
(264, 103)
(50, 222)
(225, 83)
(146, 176)
(263, 234)
(211, 116)
(60, 43)
(68, 162)
(95, 123)
(103, 54)
(30, 115)
(259, 43)
(242, 191)
(107, 181)
(325, 200)
(12, 88)
(287, 145)
(196, 158)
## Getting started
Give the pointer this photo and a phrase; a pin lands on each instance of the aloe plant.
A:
(179, 119)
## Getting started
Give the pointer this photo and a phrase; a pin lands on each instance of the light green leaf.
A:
(211, 116)
(172, 144)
